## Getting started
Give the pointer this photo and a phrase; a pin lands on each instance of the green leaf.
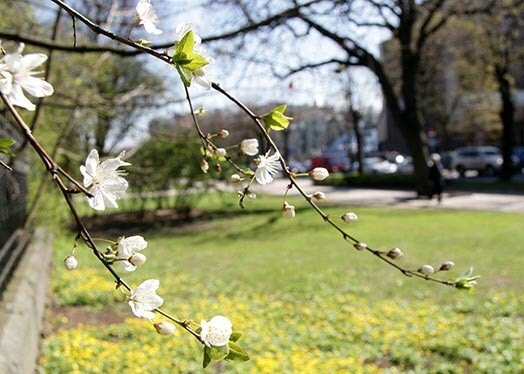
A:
(207, 357)
(185, 75)
(5, 144)
(236, 352)
(235, 336)
(186, 45)
(218, 353)
(196, 62)
(276, 120)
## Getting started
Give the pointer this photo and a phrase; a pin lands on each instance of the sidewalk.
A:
(405, 199)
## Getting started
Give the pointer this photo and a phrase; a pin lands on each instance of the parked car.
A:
(518, 158)
(333, 162)
(484, 159)
(377, 165)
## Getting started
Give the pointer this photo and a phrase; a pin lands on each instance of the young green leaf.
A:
(276, 120)
(235, 336)
(236, 353)
(207, 357)
(5, 144)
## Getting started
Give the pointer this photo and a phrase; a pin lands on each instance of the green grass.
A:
(304, 299)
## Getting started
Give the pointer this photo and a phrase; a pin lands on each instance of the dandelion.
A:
(319, 174)
(249, 146)
(267, 167)
(216, 332)
(147, 16)
(144, 299)
(104, 181)
(17, 75)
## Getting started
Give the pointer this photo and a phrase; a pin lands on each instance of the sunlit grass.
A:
(305, 300)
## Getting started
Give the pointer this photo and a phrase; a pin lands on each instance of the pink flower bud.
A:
(71, 262)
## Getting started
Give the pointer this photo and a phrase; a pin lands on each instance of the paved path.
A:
(406, 199)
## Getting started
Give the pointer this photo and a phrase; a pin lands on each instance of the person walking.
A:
(436, 177)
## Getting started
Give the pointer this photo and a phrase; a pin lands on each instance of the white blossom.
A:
(267, 167)
(349, 217)
(144, 299)
(127, 252)
(17, 76)
(216, 332)
(319, 174)
(249, 146)
(71, 262)
(426, 270)
(147, 17)
(104, 181)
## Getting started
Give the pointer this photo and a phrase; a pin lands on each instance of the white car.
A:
(484, 159)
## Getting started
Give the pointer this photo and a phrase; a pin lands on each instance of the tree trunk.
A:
(507, 115)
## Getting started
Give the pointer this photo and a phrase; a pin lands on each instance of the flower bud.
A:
(319, 174)
(200, 111)
(71, 262)
(252, 195)
(360, 246)
(446, 265)
(426, 270)
(164, 328)
(204, 166)
(394, 253)
(137, 259)
(218, 168)
(319, 195)
(221, 152)
(223, 133)
(288, 211)
(235, 178)
(349, 217)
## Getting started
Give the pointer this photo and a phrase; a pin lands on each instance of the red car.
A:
(332, 162)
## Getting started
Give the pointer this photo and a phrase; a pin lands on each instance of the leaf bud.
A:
(349, 217)
(70, 262)
(319, 174)
(394, 253)
(446, 265)
(426, 270)
(164, 328)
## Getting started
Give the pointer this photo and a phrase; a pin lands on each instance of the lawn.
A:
(304, 300)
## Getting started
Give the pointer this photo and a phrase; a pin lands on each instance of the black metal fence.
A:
(13, 196)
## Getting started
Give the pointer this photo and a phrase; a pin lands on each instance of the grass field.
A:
(304, 300)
